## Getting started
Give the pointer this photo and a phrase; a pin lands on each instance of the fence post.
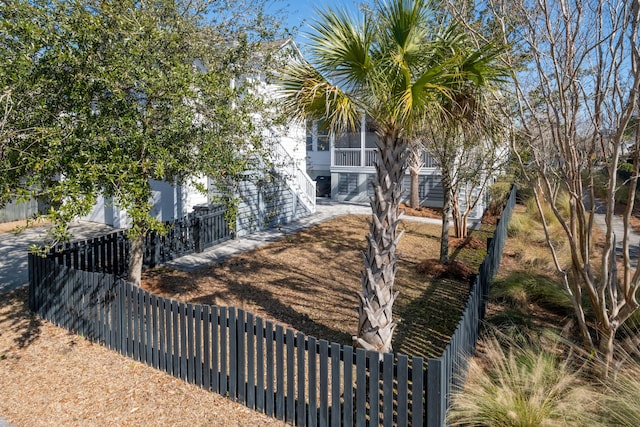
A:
(154, 249)
(198, 234)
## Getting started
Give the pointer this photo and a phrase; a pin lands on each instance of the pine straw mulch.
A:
(49, 377)
(308, 281)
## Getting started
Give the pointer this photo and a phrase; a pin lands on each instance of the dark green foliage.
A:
(99, 97)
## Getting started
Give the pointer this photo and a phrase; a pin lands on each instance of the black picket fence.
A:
(448, 372)
(204, 227)
(201, 229)
(277, 371)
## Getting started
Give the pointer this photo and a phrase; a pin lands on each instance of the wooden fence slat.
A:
(102, 335)
(191, 369)
(206, 343)
(403, 390)
(140, 314)
(120, 317)
(347, 413)
(233, 353)
(223, 351)
(312, 420)
(63, 283)
(130, 318)
(86, 315)
(335, 385)
(86, 312)
(361, 387)
(175, 339)
(241, 356)
(290, 403)
(270, 392)
(149, 326)
(434, 399)
(260, 365)
(280, 391)
(301, 415)
(184, 357)
(387, 389)
(156, 329)
(417, 387)
(324, 383)
(138, 331)
(251, 362)
(215, 348)
(374, 388)
(198, 344)
(166, 363)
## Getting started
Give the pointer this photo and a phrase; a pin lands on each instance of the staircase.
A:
(295, 176)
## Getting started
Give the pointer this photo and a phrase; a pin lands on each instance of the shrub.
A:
(498, 195)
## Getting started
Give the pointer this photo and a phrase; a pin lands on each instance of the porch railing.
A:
(352, 157)
(295, 175)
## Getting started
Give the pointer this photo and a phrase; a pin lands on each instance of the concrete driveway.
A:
(14, 249)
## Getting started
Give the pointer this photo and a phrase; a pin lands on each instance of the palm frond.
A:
(340, 47)
(306, 94)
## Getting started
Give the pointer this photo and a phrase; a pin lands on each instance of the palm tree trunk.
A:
(375, 324)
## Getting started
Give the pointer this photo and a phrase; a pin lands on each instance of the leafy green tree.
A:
(389, 66)
(106, 95)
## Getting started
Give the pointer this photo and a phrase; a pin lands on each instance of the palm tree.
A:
(385, 65)
(466, 121)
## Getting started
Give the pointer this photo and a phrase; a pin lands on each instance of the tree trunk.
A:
(459, 219)
(414, 199)
(446, 212)
(605, 347)
(414, 159)
(135, 260)
(375, 323)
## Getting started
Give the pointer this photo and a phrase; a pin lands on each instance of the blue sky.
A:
(305, 10)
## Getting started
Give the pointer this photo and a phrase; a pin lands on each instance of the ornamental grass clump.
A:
(621, 406)
(522, 385)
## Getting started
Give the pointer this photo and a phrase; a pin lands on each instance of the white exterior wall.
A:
(292, 140)
(169, 202)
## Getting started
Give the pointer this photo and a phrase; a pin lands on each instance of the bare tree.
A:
(576, 97)
(415, 162)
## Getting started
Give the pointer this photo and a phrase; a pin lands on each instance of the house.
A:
(348, 162)
(278, 192)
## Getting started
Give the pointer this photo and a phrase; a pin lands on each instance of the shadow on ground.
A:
(308, 281)
(17, 323)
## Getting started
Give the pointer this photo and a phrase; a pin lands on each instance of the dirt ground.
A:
(12, 226)
(306, 281)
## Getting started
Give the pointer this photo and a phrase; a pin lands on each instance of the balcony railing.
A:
(352, 157)
(347, 157)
